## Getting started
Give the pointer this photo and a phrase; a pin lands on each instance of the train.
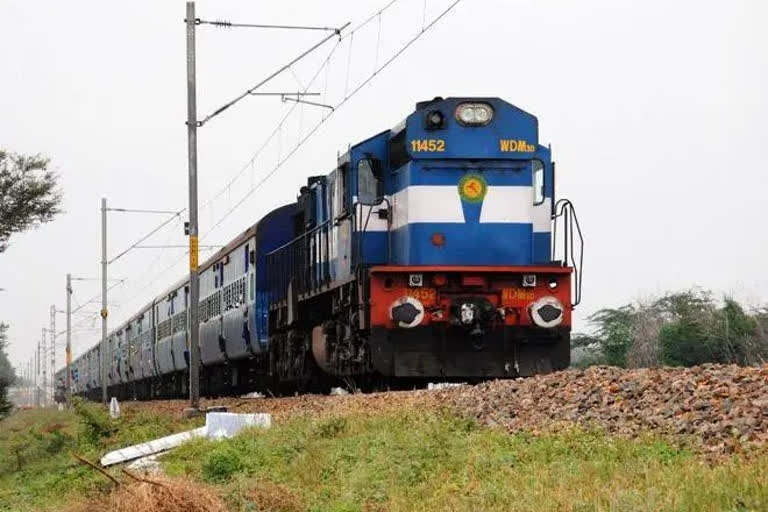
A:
(434, 250)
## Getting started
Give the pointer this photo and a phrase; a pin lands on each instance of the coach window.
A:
(538, 181)
(367, 184)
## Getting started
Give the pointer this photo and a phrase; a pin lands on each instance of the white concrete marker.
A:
(152, 447)
(221, 425)
(218, 425)
(432, 386)
(114, 408)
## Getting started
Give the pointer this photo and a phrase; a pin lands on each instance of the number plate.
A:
(426, 296)
(428, 145)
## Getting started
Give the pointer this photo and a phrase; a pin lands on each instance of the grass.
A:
(37, 470)
(409, 460)
(438, 461)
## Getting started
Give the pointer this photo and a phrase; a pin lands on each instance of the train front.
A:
(471, 289)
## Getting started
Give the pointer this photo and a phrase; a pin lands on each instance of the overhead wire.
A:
(157, 258)
(375, 15)
(251, 163)
(143, 238)
(336, 107)
(275, 131)
(95, 297)
(270, 77)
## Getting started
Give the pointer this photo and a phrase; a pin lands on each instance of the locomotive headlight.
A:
(546, 312)
(482, 114)
(466, 114)
(474, 114)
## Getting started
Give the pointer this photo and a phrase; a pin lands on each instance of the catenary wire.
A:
(302, 141)
(336, 107)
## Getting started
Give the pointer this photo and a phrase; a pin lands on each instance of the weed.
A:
(438, 461)
(331, 428)
(395, 461)
(222, 463)
(96, 424)
(36, 466)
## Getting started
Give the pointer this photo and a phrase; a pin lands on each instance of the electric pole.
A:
(68, 351)
(44, 369)
(192, 126)
(194, 285)
(104, 313)
(37, 372)
(53, 353)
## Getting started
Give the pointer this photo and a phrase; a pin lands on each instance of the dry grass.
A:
(156, 495)
(266, 496)
(314, 406)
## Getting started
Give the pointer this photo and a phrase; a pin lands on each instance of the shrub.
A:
(222, 463)
(94, 422)
(680, 329)
(331, 428)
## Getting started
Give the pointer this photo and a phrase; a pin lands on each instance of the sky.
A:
(655, 111)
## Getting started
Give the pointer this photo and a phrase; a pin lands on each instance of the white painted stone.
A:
(432, 386)
(221, 425)
(114, 408)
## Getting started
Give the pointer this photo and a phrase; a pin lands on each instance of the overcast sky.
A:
(656, 112)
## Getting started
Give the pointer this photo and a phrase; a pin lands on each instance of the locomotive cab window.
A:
(367, 181)
(398, 154)
(537, 170)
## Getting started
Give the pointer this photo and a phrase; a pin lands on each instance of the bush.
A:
(94, 421)
(7, 374)
(222, 463)
(680, 329)
(331, 428)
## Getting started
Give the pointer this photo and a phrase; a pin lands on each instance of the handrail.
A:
(306, 260)
(380, 200)
(291, 242)
(572, 257)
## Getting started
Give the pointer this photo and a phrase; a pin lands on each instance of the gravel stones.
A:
(716, 409)
(721, 409)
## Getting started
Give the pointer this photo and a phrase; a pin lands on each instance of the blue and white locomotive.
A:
(427, 252)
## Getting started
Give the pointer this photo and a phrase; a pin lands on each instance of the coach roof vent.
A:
(421, 105)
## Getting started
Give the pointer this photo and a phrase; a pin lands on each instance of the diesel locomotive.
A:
(430, 251)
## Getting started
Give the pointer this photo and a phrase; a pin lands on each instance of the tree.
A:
(687, 338)
(679, 329)
(29, 194)
(7, 375)
(614, 332)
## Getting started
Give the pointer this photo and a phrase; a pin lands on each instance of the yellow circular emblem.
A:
(472, 188)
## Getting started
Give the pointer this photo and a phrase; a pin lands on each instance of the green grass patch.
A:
(439, 461)
(405, 461)
(37, 470)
